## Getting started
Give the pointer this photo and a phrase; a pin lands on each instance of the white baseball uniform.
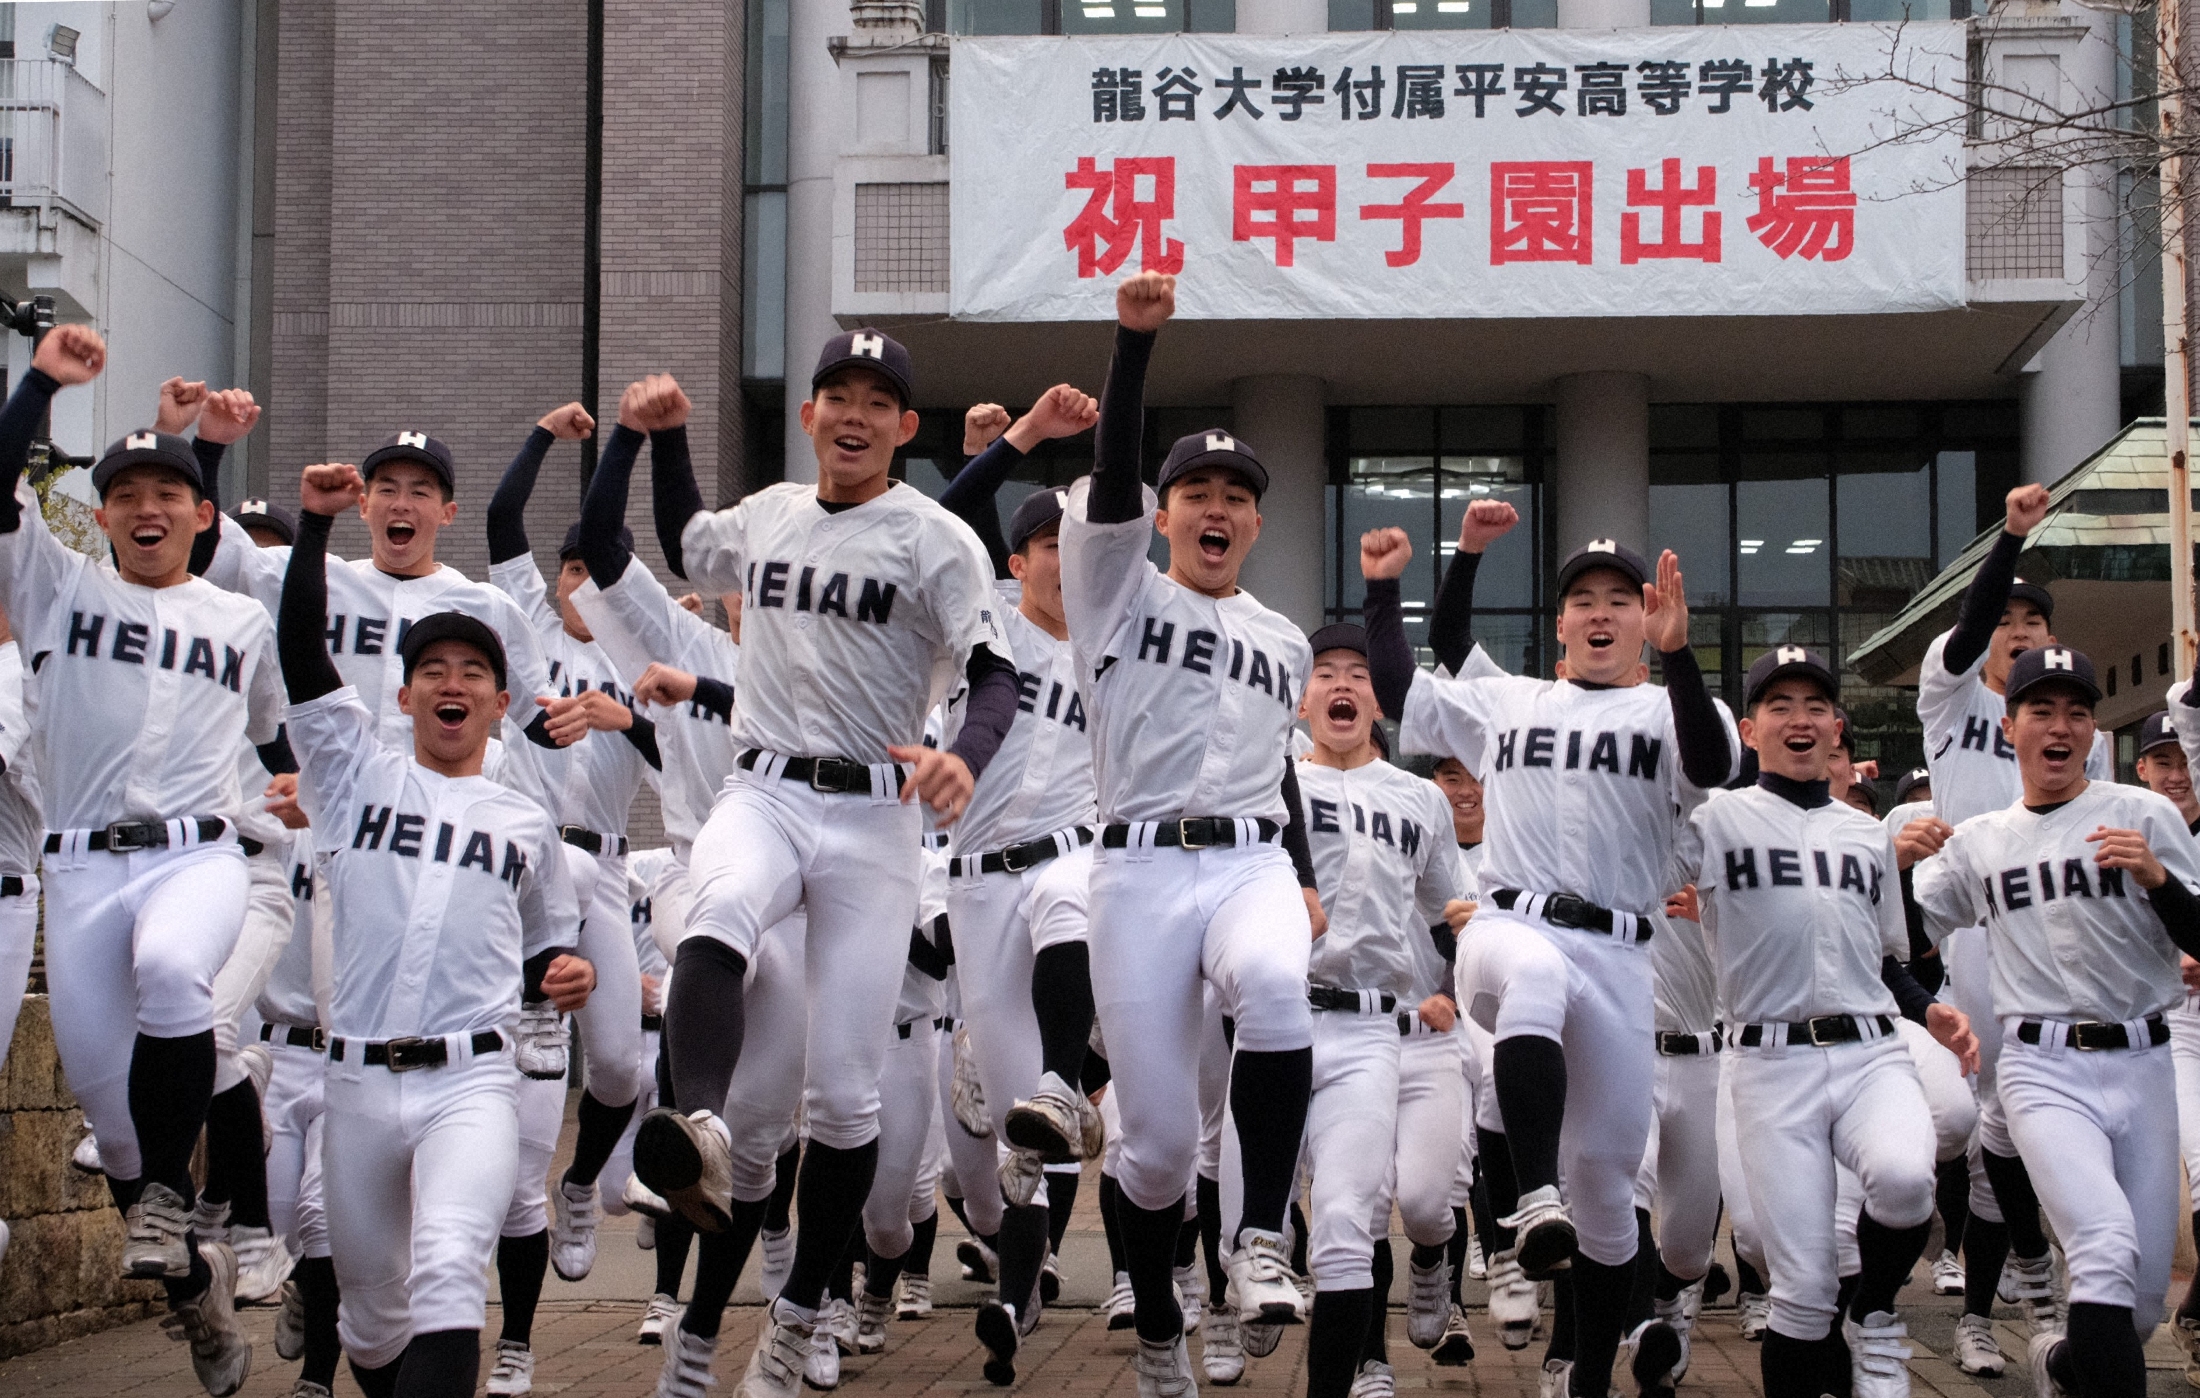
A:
(290, 1026)
(644, 868)
(2184, 1017)
(907, 1082)
(1679, 1178)
(22, 827)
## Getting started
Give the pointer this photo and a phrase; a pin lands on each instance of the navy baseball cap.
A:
(1843, 739)
(416, 447)
(451, 626)
(163, 450)
(571, 548)
(869, 349)
(1911, 780)
(2156, 732)
(1780, 663)
(2048, 665)
(1339, 635)
(1602, 553)
(261, 514)
(1213, 447)
(1039, 509)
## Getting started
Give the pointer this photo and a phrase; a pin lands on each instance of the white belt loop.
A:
(2137, 1034)
(1623, 926)
(885, 788)
(1138, 847)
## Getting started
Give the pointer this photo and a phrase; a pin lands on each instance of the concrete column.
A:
(1281, 416)
(1603, 14)
(815, 130)
(1603, 485)
(1282, 16)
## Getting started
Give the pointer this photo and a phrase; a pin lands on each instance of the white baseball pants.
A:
(1427, 1164)
(1353, 1112)
(1733, 1182)
(908, 1098)
(2184, 1056)
(18, 940)
(973, 1163)
(621, 1163)
(540, 1106)
(611, 1021)
(1947, 1092)
(1679, 1178)
(293, 1108)
(270, 912)
(765, 1097)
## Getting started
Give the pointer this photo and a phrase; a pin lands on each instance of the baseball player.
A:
(1191, 686)
(21, 829)
(2086, 890)
(1467, 1255)
(1556, 966)
(163, 680)
(451, 905)
(862, 602)
(2165, 766)
(1800, 907)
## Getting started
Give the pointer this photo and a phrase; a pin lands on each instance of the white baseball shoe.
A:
(86, 1156)
(872, 1314)
(1428, 1303)
(837, 1318)
(1679, 1314)
(648, 1203)
(514, 1373)
(1651, 1352)
(1221, 1353)
(574, 1212)
(1260, 1340)
(1543, 1236)
(660, 1315)
(221, 1356)
(2029, 1282)
(1375, 1380)
(980, 1264)
(778, 1259)
(782, 1353)
(821, 1366)
(1094, 1129)
(210, 1221)
(1879, 1357)
(290, 1323)
(1947, 1274)
(1191, 1295)
(1552, 1382)
(1050, 1121)
(686, 1372)
(545, 1041)
(1456, 1345)
(1753, 1314)
(1165, 1370)
(2188, 1336)
(263, 1264)
(1260, 1280)
(1478, 1262)
(688, 1162)
(307, 1388)
(1977, 1351)
(153, 1244)
(1122, 1304)
(964, 1094)
(1001, 1334)
(1515, 1305)
(2041, 1353)
(1050, 1278)
(916, 1296)
(1021, 1172)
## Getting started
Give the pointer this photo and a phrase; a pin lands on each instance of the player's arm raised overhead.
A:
(1062, 411)
(506, 516)
(224, 417)
(1451, 620)
(1707, 749)
(69, 354)
(1101, 572)
(308, 673)
(1988, 595)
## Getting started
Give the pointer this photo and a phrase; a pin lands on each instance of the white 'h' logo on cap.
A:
(1601, 546)
(2056, 658)
(141, 441)
(412, 439)
(869, 346)
(1220, 441)
(1793, 655)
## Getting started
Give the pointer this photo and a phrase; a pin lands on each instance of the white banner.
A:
(1462, 174)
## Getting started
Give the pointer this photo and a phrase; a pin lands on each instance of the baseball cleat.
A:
(1021, 1172)
(1260, 1341)
(1977, 1351)
(1050, 1279)
(1375, 1380)
(821, 1366)
(964, 1094)
(686, 1373)
(1655, 1348)
(2188, 1337)
(574, 1213)
(916, 1296)
(872, 1313)
(263, 1264)
(1478, 1264)
(1879, 1358)
(1544, 1238)
(1050, 1121)
(86, 1156)
(980, 1263)
(1947, 1274)
(290, 1323)
(777, 1364)
(307, 1388)
(1165, 1370)
(545, 1041)
(1514, 1304)
(662, 1313)
(688, 1161)
(1221, 1353)
(1680, 1314)
(1122, 1304)
(1190, 1294)
(837, 1319)
(221, 1356)
(778, 1250)
(1753, 1314)
(2041, 1354)
(514, 1373)
(2032, 1282)
(1093, 1133)
(155, 1228)
(647, 1202)
(998, 1332)
(1428, 1303)
(1260, 1280)
(1456, 1345)
(1552, 1382)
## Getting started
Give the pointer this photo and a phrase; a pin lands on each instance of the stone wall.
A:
(62, 1274)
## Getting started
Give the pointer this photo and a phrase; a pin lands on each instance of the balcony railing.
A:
(53, 140)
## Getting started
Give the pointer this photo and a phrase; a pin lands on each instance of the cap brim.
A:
(1815, 673)
(2088, 688)
(1255, 474)
(112, 466)
(864, 361)
(1590, 563)
(383, 456)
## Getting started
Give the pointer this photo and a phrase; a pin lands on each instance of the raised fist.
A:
(330, 489)
(228, 415)
(1063, 411)
(1145, 302)
(70, 354)
(2027, 506)
(653, 403)
(570, 423)
(1384, 553)
(180, 402)
(1485, 522)
(981, 425)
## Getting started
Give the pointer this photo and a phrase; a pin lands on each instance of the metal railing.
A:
(53, 139)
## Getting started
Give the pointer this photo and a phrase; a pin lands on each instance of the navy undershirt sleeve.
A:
(1390, 661)
(1451, 620)
(1983, 603)
(970, 496)
(988, 712)
(673, 491)
(507, 513)
(603, 508)
(1706, 756)
(308, 673)
(1294, 827)
(19, 419)
(1118, 440)
(2180, 913)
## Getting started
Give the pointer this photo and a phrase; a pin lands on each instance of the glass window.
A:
(1534, 14)
(1766, 12)
(1351, 16)
(1672, 11)
(1782, 542)
(996, 17)
(1506, 577)
(1958, 501)
(1894, 11)
(1123, 16)
(766, 135)
(1511, 640)
(1690, 519)
(1443, 14)
(1761, 631)
(1886, 537)
(1384, 492)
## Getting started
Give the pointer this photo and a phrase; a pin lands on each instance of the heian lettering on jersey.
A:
(1071, 714)
(1202, 655)
(368, 634)
(407, 831)
(1979, 735)
(2080, 879)
(1784, 868)
(768, 587)
(132, 643)
(1376, 825)
(1541, 749)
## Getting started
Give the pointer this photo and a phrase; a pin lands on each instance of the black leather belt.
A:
(580, 838)
(1821, 1032)
(404, 1055)
(1674, 1044)
(11, 885)
(653, 1024)
(129, 836)
(834, 776)
(2091, 1036)
(1329, 997)
(1190, 832)
(1565, 910)
(1016, 858)
(295, 1037)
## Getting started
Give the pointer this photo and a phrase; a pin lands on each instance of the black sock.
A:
(1149, 1247)
(1427, 1257)
(1478, 1200)
(834, 1184)
(188, 1288)
(719, 1258)
(1187, 1242)
(440, 1364)
(1384, 1266)
(596, 1137)
(955, 1207)
(1111, 1221)
(2020, 1206)
(785, 1171)
(1334, 1341)
(1563, 1319)
(1844, 1294)
(1985, 1251)
(1888, 1254)
(675, 1235)
(703, 1022)
(2189, 1309)
(1793, 1368)
(1061, 1202)
(379, 1383)
(917, 1262)
(1952, 1199)
(1299, 1233)
(1061, 994)
(1499, 1190)
(1207, 1195)
(1022, 1247)
(840, 1285)
(1746, 1277)
(236, 1155)
(1268, 1096)
(1600, 1312)
(1455, 1251)
(2062, 1365)
(317, 1297)
(1669, 1287)
(1642, 1295)
(1530, 1073)
(521, 1263)
(2105, 1352)
(880, 1274)
(171, 1085)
